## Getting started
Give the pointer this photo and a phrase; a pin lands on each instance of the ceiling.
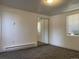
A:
(36, 6)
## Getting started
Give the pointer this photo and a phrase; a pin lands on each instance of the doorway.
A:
(42, 28)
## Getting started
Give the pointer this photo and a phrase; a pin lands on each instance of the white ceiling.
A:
(35, 6)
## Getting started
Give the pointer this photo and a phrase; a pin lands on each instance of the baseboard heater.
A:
(20, 47)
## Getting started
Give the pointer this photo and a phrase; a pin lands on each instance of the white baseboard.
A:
(12, 48)
(70, 48)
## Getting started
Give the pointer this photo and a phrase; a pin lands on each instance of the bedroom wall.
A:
(57, 32)
(18, 27)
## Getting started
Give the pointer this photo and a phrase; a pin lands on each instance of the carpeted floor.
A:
(42, 52)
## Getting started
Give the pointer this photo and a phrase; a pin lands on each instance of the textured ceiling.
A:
(35, 6)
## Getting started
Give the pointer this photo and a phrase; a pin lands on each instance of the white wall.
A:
(18, 27)
(58, 35)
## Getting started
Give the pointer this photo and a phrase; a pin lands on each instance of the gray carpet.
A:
(42, 52)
